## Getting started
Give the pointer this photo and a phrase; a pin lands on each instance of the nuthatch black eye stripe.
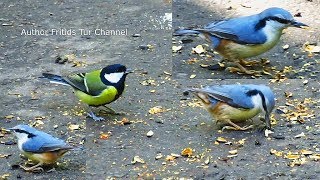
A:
(255, 92)
(30, 135)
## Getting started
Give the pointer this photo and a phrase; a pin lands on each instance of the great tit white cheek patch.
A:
(114, 77)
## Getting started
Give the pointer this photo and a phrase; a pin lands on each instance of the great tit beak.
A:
(298, 24)
(128, 71)
(268, 121)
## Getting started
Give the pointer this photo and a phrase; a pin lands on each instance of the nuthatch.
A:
(236, 103)
(39, 146)
(243, 37)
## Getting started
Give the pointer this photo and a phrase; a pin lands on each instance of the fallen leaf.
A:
(137, 159)
(311, 48)
(9, 117)
(156, 110)
(221, 140)
(207, 161)
(233, 152)
(176, 48)
(74, 127)
(199, 49)
(292, 156)
(170, 158)
(232, 155)
(5, 155)
(187, 152)
(306, 152)
(104, 136)
(192, 76)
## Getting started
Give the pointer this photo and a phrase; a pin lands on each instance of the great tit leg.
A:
(235, 126)
(34, 168)
(94, 117)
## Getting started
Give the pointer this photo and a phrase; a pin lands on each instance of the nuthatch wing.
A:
(243, 37)
(39, 146)
(236, 103)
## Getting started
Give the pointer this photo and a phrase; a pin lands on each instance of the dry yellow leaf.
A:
(233, 152)
(221, 140)
(199, 49)
(292, 156)
(170, 158)
(137, 159)
(187, 152)
(192, 76)
(104, 136)
(156, 110)
(176, 48)
(306, 152)
(74, 127)
(9, 117)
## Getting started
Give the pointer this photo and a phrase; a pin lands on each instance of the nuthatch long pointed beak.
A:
(299, 24)
(268, 121)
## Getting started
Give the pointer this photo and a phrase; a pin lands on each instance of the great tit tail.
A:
(55, 79)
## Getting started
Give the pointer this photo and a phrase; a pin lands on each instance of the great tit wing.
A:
(243, 30)
(77, 81)
(94, 85)
(233, 95)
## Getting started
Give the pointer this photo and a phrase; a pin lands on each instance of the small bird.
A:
(236, 103)
(96, 88)
(243, 37)
(39, 146)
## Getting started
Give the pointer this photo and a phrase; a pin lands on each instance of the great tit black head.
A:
(114, 74)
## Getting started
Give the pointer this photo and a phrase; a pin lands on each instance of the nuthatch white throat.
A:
(38, 146)
(243, 37)
(236, 103)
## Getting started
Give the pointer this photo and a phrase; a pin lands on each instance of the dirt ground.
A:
(114, 150)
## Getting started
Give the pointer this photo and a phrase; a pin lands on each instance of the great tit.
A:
(96, 88)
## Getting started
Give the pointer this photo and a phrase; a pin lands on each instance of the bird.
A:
(243, 37)
(38, 146)
(235, 103)
(96, 88)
